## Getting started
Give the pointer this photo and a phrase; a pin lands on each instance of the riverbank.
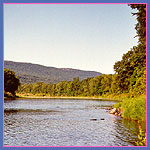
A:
(131, 109)
(65, 97)
(9, 96)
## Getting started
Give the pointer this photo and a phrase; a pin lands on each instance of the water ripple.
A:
(65, 123)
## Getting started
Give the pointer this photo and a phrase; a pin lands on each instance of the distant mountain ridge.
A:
(31, 73)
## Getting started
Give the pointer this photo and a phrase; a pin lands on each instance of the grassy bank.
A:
(133, 108)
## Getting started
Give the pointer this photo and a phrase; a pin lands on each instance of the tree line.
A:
(88, 87)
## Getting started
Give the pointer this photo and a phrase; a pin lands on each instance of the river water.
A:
(62, 122)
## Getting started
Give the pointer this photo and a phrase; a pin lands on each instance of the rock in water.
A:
(113, 111)
(93, 119)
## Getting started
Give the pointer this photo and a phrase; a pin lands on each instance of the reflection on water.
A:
(127, 130)
(56, 122)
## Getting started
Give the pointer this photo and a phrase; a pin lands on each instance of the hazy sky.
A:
(81, 36)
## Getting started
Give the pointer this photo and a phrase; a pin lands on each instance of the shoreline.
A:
(117, 111)
(18, 96)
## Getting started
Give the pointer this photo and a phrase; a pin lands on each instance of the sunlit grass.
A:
(133, 108)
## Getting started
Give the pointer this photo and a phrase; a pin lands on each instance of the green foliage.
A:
(94, 87)
(134, 108)
(97, 86)
(141, 18)
(84, 87)
(141, 138)
(130, 72)
(139, 86)
(118, 105)
(11, 81)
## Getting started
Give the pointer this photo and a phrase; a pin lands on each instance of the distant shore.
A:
(64, 97)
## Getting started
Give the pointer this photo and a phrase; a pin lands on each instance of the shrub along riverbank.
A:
(133, 108)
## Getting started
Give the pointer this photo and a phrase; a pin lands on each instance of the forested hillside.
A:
(31, 73)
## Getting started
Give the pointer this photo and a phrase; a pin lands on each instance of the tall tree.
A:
(11, 81)
(133, 63)
(141, 18)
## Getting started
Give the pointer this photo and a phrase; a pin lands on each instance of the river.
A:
(65, 122)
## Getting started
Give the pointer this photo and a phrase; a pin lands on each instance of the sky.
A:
(81, 36)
